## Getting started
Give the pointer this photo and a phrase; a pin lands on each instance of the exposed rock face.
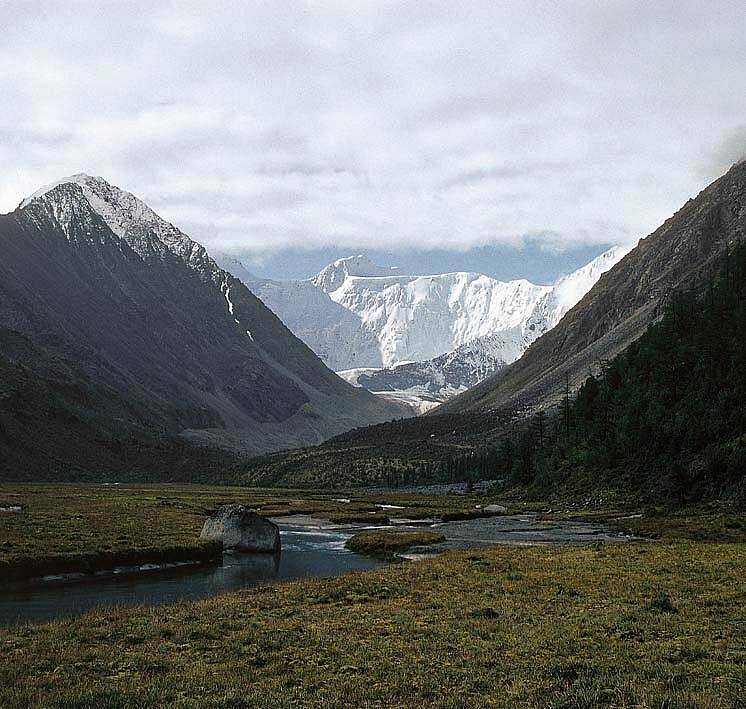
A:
(240, 529)
(683, 253)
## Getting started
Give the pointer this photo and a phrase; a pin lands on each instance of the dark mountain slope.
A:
(665, 420)
(60, 426)
(617, 310)
(99, 286)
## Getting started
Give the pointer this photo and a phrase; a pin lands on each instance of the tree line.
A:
(666, 418)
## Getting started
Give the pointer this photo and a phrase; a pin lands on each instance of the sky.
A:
(519, 139)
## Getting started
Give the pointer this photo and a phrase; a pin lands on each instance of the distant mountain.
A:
(334, 276)
(104, 301)
(677, 414)
(424, 385)
(334, 333)
(419, 339)
(625, 300)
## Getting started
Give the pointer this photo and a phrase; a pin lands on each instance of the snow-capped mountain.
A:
(333, 276)
(424, 385)
(416, 318)
(568, 291)
(114, 304)
(432, 336)
(433, 381)
(334, 333)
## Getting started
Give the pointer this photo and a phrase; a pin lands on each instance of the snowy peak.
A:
(571, 288)
(334, 275)
(416, 318)
(355, 314)
(125, 310)
(71, 199)
(489, 324)
(80, 179)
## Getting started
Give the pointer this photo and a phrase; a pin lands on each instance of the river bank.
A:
(311, 547)
(638, 624)
(585, 623)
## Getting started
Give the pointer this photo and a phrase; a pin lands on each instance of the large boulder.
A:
(240, 529)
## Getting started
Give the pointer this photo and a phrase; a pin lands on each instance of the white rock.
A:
(241, 529)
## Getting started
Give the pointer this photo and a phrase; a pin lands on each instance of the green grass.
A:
(81, 527)
(638, 625)
(650, 624)
(387, 542)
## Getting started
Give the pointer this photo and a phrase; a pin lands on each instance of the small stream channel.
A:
(311, 548)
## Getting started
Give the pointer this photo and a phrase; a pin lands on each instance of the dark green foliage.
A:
(667, 417)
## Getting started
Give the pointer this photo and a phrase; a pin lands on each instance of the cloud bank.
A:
(261, 126)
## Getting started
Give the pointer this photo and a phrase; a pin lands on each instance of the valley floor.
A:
(644, 624)
(67, 527)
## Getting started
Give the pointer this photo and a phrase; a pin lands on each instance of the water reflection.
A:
(306, 552)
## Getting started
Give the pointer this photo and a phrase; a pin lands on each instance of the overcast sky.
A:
(267, 128)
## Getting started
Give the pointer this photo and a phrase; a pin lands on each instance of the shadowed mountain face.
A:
(680, 254)
(100, 294)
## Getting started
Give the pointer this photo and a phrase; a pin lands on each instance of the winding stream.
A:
(311, 548)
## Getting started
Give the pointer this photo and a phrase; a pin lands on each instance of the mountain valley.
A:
(418, 339)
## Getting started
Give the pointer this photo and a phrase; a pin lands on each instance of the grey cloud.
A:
(259, 125)
(732, 149)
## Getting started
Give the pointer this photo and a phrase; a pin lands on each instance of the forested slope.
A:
(665, 419)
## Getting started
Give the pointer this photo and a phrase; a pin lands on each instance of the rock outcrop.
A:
(240, 529)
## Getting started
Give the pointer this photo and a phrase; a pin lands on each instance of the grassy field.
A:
(639, 625)
(647, 624)
(84, 526)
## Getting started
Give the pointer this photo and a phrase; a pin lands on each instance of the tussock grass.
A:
(387, 542)
(503, 627)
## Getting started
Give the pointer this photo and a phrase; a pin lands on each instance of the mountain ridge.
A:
(95, 278)
(624, 301)
(441, 333)
(684, 255)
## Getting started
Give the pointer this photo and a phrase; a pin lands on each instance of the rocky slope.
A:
(618, 309)
(98, 293)
(424, 385)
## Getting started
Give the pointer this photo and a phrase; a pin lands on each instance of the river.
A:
(311, 548)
